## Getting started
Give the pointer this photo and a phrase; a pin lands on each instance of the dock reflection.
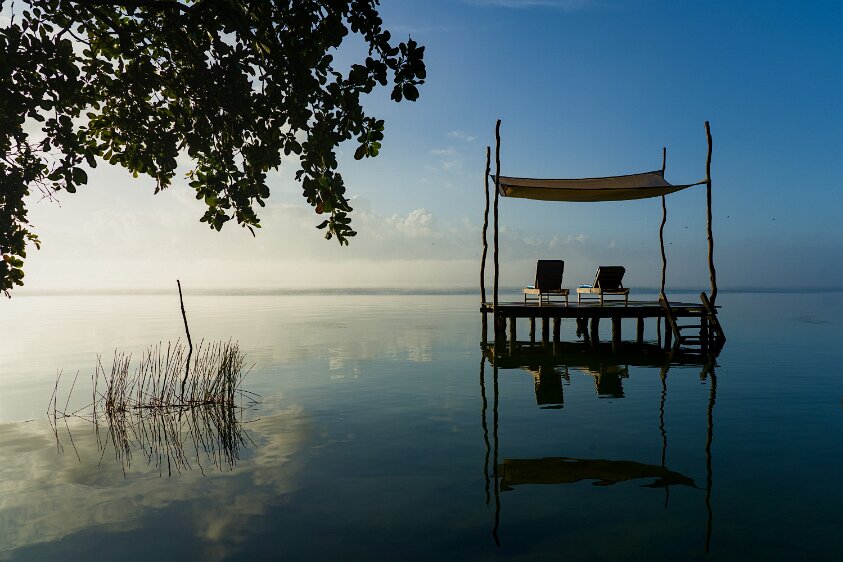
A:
(551, 368)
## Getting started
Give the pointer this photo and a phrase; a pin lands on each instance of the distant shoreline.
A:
(391, 291)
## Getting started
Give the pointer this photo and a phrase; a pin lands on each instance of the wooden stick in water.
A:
(189, 342)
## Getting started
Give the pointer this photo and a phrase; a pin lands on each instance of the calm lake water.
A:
(380, 422)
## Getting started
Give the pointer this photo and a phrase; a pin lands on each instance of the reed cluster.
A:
(177, 406)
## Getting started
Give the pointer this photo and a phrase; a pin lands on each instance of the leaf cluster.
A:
(230, 86)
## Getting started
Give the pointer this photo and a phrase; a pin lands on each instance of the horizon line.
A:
(374, 291)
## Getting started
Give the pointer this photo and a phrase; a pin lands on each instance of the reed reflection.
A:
(549, 367)
(174, 424)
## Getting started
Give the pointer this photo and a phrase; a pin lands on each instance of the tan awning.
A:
(615, 188)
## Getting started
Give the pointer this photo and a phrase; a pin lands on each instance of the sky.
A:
(583, 88)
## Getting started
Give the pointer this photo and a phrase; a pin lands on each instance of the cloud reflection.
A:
(47, 495)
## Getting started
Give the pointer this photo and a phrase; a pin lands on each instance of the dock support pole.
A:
(545, 331)
(664, 221)
(532, 329)
(712, 272)
(497, 192)
(595, 331)
(485, 228)
(556, 329)
(616, 333)
(513, 333)
(639, 332)
(484, 328)
(668, 335)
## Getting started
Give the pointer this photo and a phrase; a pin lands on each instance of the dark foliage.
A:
(230, 84)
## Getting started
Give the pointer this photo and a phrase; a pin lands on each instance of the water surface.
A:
(381, 420)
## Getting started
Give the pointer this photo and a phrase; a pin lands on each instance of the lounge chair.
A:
(548, 282)
(607, 281)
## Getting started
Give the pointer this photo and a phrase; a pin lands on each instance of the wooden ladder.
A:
(679, 338)
(715, 330)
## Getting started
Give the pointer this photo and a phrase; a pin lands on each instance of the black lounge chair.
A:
(548, 282)
(607, 281)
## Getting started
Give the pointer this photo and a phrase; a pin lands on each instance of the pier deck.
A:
(610, 309)
(588, 316)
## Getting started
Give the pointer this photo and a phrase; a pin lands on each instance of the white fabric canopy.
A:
(615, 188)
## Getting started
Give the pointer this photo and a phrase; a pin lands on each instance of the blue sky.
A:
(583, 89)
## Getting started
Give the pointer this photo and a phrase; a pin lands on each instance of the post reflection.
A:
(549, 369)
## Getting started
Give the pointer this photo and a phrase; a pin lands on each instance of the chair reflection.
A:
(607, 379)
(548, 385)
(549, 367)
(552, 367)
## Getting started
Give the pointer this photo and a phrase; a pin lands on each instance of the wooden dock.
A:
(588, 316)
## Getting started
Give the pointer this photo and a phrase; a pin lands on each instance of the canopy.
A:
(614, 188)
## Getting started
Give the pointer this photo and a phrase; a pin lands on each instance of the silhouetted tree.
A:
(230, 85)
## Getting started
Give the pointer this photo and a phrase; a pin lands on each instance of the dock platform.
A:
(588, 316)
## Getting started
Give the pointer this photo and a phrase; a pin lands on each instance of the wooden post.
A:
(661, 245)
(532, 329)
(513, 334)
(659, 331)
(485, 228)
(497, 194)
(595, 331)
(556, 329)
(668, 335)
(582, 328)
(704, 333)
(545, 331)
(616, 332)
(712, 272)
(639, 332)
(484, 329)
(661, 242)
(500, 328)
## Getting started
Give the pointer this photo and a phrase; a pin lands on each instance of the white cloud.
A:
(416, 223)
(450, 159)
(462, 135)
